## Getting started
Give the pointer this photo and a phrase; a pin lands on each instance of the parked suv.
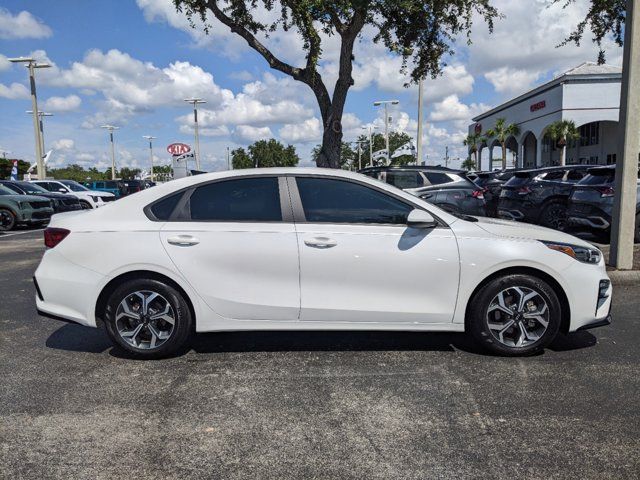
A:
(88, 198)
(116, 187)
(59, 201)
(540, 196)
(491, 183)
(591, 202)
(449, 189)
(22, 209)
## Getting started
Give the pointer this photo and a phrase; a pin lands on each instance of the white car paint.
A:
(93, 197)
(258, 276)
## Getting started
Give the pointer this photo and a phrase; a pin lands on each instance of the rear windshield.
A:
(520, 178)
(599, 177)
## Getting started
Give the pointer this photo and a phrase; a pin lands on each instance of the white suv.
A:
(88, 198)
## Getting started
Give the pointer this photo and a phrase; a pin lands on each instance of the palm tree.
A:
(501, 132)
(472, 141)
(561, 132)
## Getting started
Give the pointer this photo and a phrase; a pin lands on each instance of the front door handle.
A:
(320, 242)
(183, 240)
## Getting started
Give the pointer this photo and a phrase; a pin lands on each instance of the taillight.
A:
(524, 191)
(606, 191)
(53, 236)
(479, 194)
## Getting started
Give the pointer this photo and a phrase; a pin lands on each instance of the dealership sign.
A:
(538, 106)
(477, 128)
(178, 148)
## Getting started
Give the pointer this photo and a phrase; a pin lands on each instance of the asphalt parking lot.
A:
(310, 404)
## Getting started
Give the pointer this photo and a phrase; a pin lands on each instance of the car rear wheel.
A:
(515, 315)
(7, 220)
(554, 216)
(148, 318)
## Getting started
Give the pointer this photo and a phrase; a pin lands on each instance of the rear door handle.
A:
(183, 240)
(320, 242)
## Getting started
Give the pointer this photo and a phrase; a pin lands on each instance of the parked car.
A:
(491, 183)
(591, 202)
(449, 189)
(312, 249)
(116, 187)
(541, 195)
(133, 186)
(88, 198)
(59, 201)
(18, 209)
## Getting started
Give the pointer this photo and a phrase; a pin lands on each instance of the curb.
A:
(624, 277)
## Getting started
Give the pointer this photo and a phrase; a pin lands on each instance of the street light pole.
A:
(370, 128)
(32, 65)
(195, 102)
(151, 139)
(386, 122)
(41, 124)
(111, 128)
(624, 205)
(420, 120)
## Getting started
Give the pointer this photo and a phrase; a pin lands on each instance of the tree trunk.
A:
(563, 155)
(329, 156)
(504, 156)
(475, 160)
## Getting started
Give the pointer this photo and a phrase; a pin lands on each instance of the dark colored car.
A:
(491, 183)
(540, 196)
(133, 186)
(20, 209)
(449, 189)
(59, 201)
(591, 202)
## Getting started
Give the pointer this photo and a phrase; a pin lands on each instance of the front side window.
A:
(436, 178)
(337, 201)
(241, 200)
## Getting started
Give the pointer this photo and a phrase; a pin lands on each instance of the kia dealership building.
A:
(588, 94)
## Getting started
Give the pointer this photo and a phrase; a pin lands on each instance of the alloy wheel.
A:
(518, 317)
(145, 319)
(556, 217)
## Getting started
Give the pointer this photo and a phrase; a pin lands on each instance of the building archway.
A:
(529, 145)
(598, 144)
(512, 152)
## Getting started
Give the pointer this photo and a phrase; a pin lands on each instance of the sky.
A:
(131, 63)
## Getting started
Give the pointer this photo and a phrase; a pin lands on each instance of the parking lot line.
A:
(21, 233)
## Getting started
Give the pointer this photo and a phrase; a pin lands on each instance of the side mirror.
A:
(62, 190)
(421, 219)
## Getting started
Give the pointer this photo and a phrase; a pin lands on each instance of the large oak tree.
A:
(422, 32)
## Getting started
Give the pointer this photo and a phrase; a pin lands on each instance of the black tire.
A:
(7, 220)
(478, 315)
(554, 215)
(179, 334)
(85, 205)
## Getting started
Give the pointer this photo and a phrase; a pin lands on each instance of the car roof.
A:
(554, 169)
(419, 168)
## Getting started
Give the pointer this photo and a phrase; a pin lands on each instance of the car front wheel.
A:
(148, 318)
(515, 315)
(7, 220)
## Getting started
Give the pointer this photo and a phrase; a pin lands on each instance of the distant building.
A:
(588, 94)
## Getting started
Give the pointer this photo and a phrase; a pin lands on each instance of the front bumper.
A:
(35, 215)
(597, 324)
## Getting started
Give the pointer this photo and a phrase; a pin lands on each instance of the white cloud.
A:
(62, 104)
(63, 144)
(13, 91)
(21, 25)
(5, 64)
(250, 134)
(511, 81)
(452, 109)
(308, 131)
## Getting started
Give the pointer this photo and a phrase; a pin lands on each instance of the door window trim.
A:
(182, 211)
(298, 209)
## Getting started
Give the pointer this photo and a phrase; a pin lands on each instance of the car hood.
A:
(99, 193)
(511, 229)
(24, 198)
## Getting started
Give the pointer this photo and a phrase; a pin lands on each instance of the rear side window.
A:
(559, 175)
(518, 179)
(163, 209)
(405, 179)
(337, 201)
(576, 175)
(599, 178)
(437, 178)
(241, 200)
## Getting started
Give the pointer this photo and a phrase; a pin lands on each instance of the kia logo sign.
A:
(178, 148)
(538, 106)
(478, 128)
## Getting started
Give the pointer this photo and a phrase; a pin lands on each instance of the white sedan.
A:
(312, 249)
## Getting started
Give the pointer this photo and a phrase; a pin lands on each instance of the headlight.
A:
(94, 198)
(582, 254)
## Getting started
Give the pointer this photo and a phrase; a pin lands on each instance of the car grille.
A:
(40, 215)
(108, 199)
(40, 204)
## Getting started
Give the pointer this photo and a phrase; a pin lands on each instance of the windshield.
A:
(6, 191)
(31, 188)
(73, 186)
